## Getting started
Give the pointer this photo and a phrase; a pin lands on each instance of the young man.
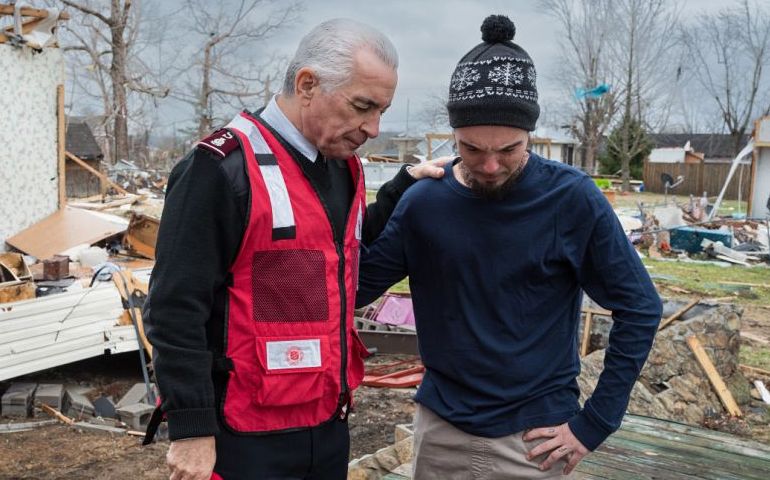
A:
(251, 299)
(498, 253)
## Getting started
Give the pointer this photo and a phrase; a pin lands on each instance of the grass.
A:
(629, 201)
(755, 356)
(706, 279)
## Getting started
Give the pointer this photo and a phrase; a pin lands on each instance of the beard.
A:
(492, 192)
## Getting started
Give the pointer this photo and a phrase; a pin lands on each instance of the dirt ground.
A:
(63, 452)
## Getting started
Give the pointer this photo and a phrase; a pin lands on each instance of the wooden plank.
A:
(111, 204)
(11, 292)
(586, 334)
(678, 314)
(716, 381)
(633, 460)
(25, 426)
(31, 12)
(683, 457)
(720, 440)
(748, 369)
(746, 284)
(62, 230)
(97, 173)
(61, 131)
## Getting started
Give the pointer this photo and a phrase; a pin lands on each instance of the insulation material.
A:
(28, 136)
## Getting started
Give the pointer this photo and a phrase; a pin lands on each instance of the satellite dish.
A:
(669, 183)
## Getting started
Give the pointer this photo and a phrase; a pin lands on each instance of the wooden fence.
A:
(699, 178)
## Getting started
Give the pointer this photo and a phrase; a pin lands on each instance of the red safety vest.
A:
(290, 338)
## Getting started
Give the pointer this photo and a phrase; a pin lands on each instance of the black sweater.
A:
(204, 219)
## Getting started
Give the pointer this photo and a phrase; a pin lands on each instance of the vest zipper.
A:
(339, 245)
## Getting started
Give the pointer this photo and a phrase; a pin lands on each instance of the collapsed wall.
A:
(673, 385)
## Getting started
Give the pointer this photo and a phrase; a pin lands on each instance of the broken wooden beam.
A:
(56, 414)
(31, 12)
(586, 334)
(678, 314)
(97, 173)
(724, 394)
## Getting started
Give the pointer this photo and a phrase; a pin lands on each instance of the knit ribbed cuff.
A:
(193, 422)
(401, 181)
(586, 429)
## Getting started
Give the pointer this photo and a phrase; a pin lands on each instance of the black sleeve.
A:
(200, 233)
(378, 212)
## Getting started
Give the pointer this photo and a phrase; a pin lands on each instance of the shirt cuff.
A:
(402, 181)
(193, 422)
(588, 430)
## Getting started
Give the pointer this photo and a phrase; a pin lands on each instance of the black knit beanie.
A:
(494, 83)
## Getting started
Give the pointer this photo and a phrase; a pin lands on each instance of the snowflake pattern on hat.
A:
(532, 75)
(510, 77)
(464, 78)
(508, 74)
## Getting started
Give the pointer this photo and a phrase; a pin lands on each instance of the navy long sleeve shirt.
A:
(497, 289)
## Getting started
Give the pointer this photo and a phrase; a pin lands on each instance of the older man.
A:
(498, 253)
(251, 300)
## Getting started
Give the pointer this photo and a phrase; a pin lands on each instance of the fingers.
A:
(561, 444)
(535, 433)
(572, 461)
(191, 459)
(556, 455)
(425, 170)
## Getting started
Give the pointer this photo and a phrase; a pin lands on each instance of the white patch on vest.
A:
(290, 354)
(360, 221)
(283, 215)
(258, 143)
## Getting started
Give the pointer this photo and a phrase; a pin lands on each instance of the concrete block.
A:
(136, 394)
(77, 405)
(136, 416)
(17, 400)
(104, 407)
(50, 394)
(91, 427)
(403, 431)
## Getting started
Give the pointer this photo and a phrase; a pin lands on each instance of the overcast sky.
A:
(432, 35)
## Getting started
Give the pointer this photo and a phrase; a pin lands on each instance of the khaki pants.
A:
(443, 452)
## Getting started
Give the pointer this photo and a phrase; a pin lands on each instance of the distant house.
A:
(715, 147)
(80, 142)
(684, 154)
(553, 145)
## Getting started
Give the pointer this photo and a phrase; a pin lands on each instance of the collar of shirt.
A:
(274, 117)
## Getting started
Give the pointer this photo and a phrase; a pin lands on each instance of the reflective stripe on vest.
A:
(283, 217)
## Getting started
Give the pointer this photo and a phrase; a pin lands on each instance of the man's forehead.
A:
(490, 135)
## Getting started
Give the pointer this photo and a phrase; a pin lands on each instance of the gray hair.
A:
(329, 49)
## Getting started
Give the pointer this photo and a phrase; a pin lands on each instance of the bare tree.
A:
(108, 40)
(584, 64)
(433, 113)
(640, 49)
(729, 52)
(228, 68)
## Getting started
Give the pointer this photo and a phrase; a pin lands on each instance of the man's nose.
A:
(491, 165)
(371, 126)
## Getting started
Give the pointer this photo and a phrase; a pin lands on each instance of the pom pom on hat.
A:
(497, 28)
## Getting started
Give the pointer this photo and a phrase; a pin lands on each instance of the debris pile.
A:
(684, 231)
(80, 407)
(676, 383)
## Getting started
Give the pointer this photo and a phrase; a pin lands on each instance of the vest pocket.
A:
(289, 286)
(293, 369)
(356, 367)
